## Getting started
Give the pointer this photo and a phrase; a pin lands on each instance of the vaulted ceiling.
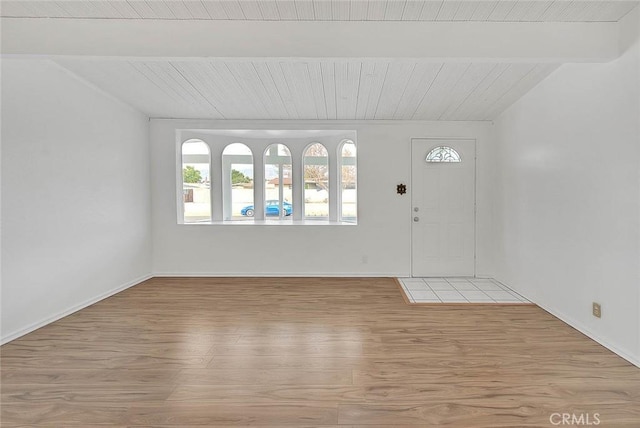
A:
(468, 60)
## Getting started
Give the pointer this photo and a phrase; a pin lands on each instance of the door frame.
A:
(475, 195)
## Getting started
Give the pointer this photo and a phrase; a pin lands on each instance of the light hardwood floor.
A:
(307, 352)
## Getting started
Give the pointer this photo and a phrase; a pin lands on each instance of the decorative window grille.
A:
(443, 154)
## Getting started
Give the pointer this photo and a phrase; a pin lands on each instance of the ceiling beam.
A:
(465, 41)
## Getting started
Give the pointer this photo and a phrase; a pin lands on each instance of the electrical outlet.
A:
(597, 310)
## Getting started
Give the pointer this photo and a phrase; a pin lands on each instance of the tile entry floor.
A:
(458, 290)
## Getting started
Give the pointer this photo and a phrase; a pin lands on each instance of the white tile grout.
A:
(438, 283)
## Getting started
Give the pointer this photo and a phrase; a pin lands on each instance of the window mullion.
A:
(280, 189)
(225, 183)
(297, 187)
(215, 179)
(258, 187)
(334, 186)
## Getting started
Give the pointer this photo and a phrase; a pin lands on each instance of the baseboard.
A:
(279, 274)
(75, 308)
(590, 334)
(446, 276)
(584, 330)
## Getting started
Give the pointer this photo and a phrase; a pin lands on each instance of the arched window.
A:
(237, 183)
(443, 154)
(225, 176)
(316, 182)
(196, 182)
(348, 182)
(278, 186)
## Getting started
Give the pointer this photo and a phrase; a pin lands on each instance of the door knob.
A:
(416, 209)
(416, 219)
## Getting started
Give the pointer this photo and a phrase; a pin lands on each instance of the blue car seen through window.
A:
(271, 208)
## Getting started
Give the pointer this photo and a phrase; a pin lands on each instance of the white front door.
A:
(443, 207)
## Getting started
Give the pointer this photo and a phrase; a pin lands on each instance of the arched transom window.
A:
(443, 154)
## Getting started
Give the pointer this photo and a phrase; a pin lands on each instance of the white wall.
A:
(378, 245)
(75, 198)
(568, 196)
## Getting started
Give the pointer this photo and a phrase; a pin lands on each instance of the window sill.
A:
(272, 223)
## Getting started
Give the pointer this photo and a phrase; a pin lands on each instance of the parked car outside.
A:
(271, 208)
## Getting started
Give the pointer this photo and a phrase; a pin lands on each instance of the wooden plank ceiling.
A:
(340, 10)
(317, 89)
(313, 89)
